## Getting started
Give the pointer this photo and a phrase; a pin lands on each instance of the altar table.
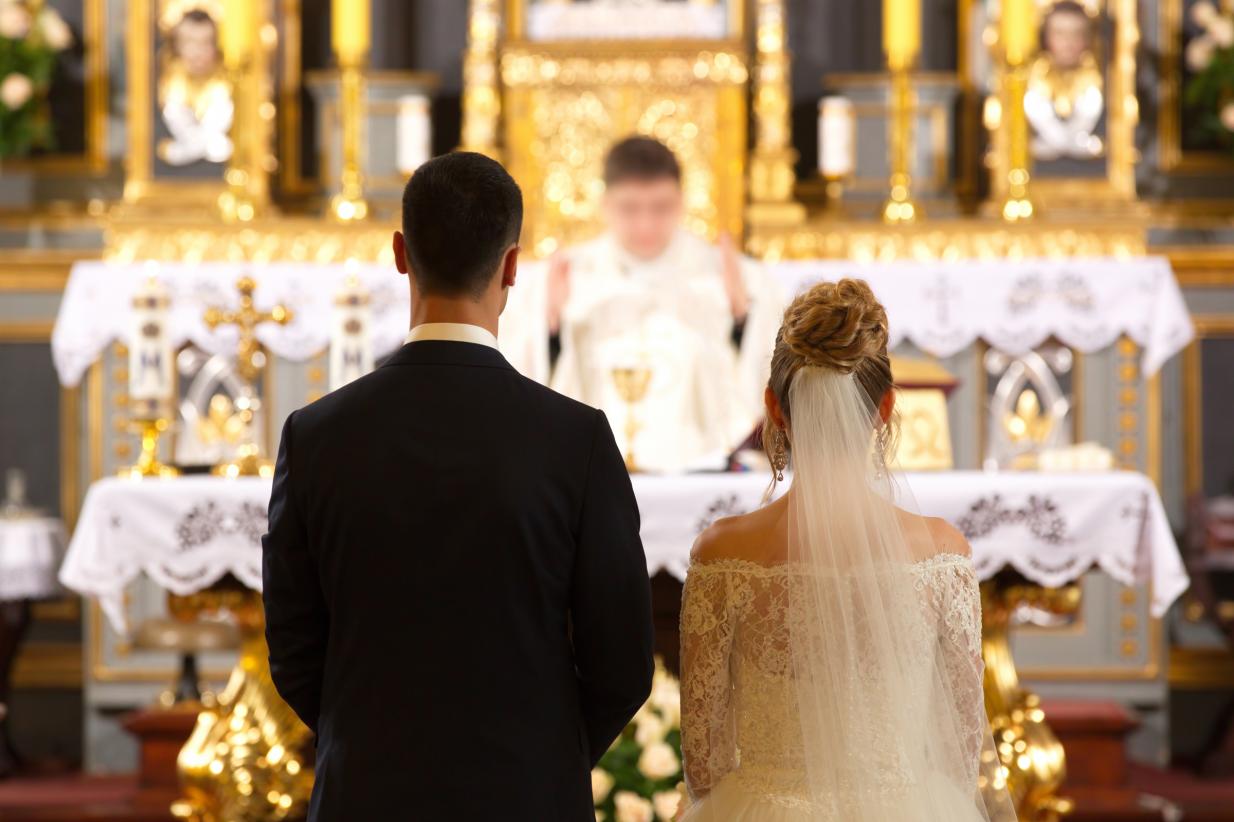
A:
(186, 533)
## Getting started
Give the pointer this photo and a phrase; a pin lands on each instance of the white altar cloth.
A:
(941, 306)
(30, 548)
(188, 532)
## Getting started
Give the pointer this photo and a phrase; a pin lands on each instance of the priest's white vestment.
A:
(671, 315)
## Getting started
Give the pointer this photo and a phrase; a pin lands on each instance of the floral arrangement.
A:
(639, 778)
(1210, 57)
(31, 35)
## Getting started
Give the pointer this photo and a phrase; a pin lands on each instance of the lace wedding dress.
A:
(741, 735)
(843, 684)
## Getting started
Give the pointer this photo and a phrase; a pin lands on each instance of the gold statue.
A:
(250, 359)
(246, 760)
(632, 383)
(1065, 99)
(195, 96)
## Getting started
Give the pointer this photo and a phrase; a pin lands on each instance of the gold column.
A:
(481, 95)
(902, 44)
(350, 27)
(245, 178)
(1018, 35)
(771, 167)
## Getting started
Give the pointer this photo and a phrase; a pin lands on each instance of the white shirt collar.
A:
(452, 332)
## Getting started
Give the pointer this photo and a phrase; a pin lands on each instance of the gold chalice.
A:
(632, 382)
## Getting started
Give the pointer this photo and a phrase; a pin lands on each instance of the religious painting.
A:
(193, 104)
(1080, 97)
(1065, 99)
(1195, 125)
(548, 20)
(182, 106)
(56, 115)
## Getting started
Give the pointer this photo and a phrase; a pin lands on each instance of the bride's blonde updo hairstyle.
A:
(838, 326)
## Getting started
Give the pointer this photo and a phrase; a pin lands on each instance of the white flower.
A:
(1227, 116)
(601, 784)
(1199, 53)
(658, 761)
(633, 808)
(1203, 13)
(56, 32)
(666, 804)
(666, 698)
(14, 21)
(1221, 30)
(15, 91)
(649, 729)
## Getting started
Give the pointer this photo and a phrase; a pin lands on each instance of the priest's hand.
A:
(734, 286)
(558, 289)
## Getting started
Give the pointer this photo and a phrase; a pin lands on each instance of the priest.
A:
(647, 298)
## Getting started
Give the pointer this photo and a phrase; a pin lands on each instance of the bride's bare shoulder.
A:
(745, 536)
(928, 536)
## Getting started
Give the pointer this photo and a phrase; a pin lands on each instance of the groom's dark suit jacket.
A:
(456, 595)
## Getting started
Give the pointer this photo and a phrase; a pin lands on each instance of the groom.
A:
(456, 595)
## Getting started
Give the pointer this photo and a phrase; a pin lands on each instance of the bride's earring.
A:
(779, 455)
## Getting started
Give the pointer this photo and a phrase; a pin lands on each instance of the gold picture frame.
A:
(150, 178)
(1114, 182)
(1171, 155)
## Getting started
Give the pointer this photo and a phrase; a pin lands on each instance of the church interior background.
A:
(196, 199)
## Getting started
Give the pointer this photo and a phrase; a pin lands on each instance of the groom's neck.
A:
(436, 309)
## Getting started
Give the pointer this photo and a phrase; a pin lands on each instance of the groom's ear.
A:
(400, 253)
(509, 267)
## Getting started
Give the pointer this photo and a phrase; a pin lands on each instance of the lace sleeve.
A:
(707, 732)
(957, 598)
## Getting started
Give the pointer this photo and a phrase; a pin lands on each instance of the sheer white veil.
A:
(887, 669)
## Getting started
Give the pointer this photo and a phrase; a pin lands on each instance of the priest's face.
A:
(644, 214)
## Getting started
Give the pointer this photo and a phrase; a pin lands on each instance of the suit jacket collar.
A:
(448, 352)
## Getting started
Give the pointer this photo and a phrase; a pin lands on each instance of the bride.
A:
(831, 641)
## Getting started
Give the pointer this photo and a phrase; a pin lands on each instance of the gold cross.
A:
(249, 357)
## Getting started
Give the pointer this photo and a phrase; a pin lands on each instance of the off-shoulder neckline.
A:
(942, 559)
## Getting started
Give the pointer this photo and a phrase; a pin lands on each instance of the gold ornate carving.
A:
(945, 239)
(771, 166)
(481, 97)
(564, 108)
(286, 240)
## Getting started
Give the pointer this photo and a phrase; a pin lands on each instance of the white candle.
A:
(837, 129)
(151, 356)
(351, 344)
(415, 133)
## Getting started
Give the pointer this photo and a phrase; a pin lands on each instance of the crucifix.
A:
(250, 359)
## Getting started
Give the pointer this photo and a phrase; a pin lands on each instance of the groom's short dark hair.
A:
(461, 211)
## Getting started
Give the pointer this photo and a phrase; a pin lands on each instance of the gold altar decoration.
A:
(632, 383)
(250, 360)
(247, 182)
(481, 94)
(1032, 758)
(924, 441)
(247, 758)
(148, 464)
(1018, 36)
(772, 176)
(350, 36)
(901, 44)
(565, 103)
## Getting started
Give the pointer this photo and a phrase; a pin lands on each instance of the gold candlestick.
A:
(632, 383)
(148, 464)
(239, 40)
(350, 37)
(901, 42)
(1017, 30)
